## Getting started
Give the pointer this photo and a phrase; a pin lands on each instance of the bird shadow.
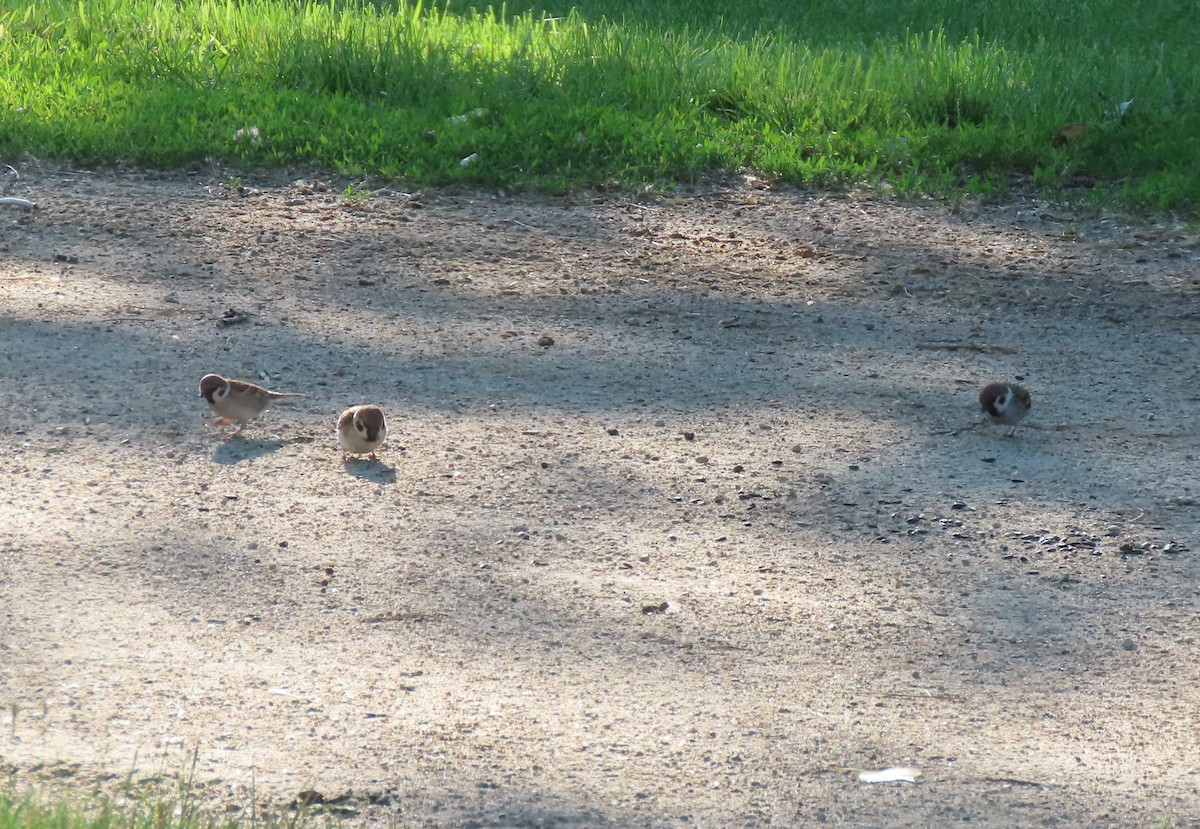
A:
(238, 449)
(375, 471)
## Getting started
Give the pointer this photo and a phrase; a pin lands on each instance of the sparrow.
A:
(361, 430)
(236, 401)
(1005, 403)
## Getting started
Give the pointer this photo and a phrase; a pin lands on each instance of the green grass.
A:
(31, 813)
(161, 801)
(928, 95)
(145, 811)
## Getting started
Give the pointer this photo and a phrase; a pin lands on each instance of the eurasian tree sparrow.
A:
(236, 401)
(361, 430)
(1005, 403)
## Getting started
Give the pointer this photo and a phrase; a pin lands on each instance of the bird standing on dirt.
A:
(1005, 403)
(236, 401)
(361, 430)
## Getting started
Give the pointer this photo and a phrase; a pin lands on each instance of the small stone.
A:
(1129, 645)
(232, 316)
(612, 431)
(545, 342)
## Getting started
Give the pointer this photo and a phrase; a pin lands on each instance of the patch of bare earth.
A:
(729, 535)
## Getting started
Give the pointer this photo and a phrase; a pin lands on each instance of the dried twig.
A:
(976, 347)
(1012, 781)
(959, 430)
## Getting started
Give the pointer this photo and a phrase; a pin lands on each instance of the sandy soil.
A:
(729, 535)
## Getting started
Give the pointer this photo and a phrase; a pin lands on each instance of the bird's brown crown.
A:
(209, 384)
(371, 418)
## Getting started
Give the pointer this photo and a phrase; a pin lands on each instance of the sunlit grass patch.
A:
(927, 97)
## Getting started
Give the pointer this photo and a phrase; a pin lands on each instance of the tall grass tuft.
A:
(146, 805)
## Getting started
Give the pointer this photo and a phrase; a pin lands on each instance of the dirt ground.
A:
(728, 538)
